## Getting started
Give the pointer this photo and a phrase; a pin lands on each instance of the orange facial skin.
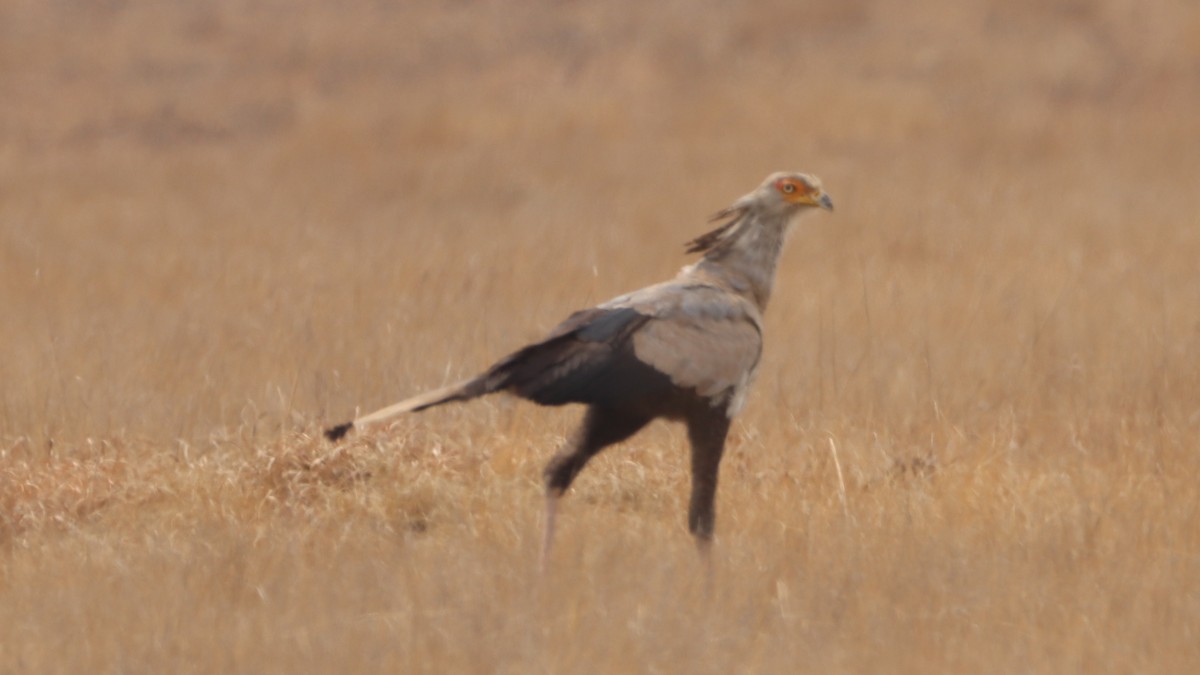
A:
(797, 191)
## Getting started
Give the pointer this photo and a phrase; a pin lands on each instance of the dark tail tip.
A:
(335, 434)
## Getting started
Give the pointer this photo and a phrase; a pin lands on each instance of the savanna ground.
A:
(974, 442)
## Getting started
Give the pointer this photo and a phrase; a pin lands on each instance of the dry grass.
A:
(225, 224)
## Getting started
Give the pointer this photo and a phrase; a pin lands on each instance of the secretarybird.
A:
(685, 349)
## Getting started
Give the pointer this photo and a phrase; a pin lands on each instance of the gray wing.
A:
(713, 357)
(704, 339)
(640, 347)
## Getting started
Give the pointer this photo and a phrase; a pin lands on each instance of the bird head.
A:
(784, 192)
(781, 196)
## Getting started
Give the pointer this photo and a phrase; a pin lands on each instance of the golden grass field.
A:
(225, 225)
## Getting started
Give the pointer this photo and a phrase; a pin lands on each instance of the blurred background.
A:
(223, 225)
(224, 211)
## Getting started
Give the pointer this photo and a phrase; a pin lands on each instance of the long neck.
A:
(746, 261)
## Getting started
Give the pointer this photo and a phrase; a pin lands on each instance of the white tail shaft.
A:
(453, 392)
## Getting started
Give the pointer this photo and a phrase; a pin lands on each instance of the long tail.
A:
(462, 391)
(546, 372)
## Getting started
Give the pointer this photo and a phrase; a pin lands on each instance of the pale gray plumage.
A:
(685, 349)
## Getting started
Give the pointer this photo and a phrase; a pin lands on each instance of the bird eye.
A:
(789, 188)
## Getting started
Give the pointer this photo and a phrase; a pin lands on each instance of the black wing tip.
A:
(335, 434)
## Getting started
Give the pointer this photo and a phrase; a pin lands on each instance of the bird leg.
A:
(706, 431)
(552, 497)
(601, 428)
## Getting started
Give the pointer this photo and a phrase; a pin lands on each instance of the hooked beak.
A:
(825, 202)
